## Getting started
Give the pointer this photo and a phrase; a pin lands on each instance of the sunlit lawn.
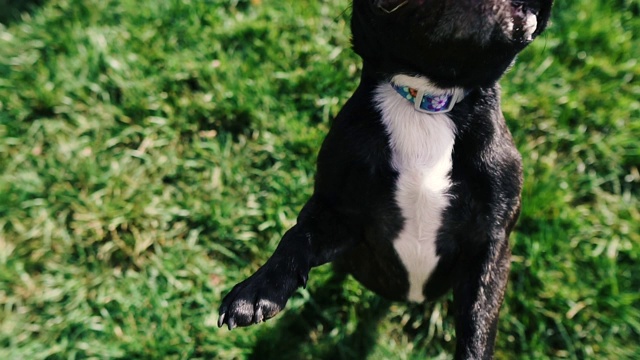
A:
(153, 152)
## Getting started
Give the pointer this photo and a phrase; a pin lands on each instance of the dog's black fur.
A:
(353, 218)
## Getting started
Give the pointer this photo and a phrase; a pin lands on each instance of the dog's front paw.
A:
(258, 298)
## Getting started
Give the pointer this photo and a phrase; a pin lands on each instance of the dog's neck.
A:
(426, 96)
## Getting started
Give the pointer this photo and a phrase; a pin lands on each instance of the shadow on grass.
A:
(314, 332)
(11, 10)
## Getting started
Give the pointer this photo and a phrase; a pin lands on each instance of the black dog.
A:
(418, 182)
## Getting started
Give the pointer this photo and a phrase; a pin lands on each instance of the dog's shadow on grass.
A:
(12, 10)
(322, 329)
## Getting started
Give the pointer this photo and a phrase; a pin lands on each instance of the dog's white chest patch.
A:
(421, 146)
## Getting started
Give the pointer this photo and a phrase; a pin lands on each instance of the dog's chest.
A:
(421, 147)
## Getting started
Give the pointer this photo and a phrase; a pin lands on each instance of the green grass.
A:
(153, 152)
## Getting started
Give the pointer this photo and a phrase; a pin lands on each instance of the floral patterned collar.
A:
(429, 103)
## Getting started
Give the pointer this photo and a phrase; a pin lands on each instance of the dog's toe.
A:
(238, 312)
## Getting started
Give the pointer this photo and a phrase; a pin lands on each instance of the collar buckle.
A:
(434, 104)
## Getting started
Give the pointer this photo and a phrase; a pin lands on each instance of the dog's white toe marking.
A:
(421, 145)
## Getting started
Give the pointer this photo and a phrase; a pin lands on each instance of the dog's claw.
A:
(257, 316)
(231, 323)
(221, 319)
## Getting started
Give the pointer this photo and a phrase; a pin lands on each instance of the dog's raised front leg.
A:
(317, 238)
(478, 297)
